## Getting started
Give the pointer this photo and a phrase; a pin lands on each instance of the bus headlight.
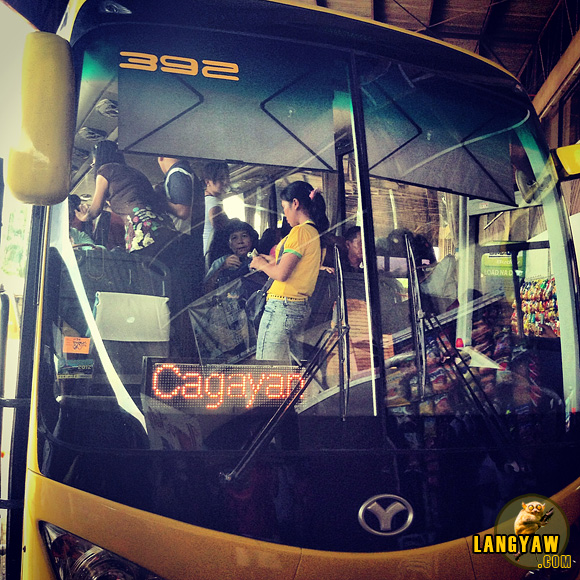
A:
(74, 558)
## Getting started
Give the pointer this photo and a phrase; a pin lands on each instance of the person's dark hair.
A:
(267, 241)
(284, 228)
(236, 225)
(106, 152)
(214, 170)
(396, 246)
(315, 205)
(423, 249)
(74, 202)
(351, 233)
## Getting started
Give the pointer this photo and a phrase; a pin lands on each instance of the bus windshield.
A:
(433, 360)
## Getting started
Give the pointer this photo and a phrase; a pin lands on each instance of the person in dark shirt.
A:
(179, 186)
(185, 200)
(128, 192)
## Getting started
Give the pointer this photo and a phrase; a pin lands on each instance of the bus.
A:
(438, 379)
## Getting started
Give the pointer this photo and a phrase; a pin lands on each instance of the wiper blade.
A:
(481, 401)
(417, 319)
(264, 436)
(343, 342)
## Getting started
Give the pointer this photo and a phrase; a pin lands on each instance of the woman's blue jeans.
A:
(280, 327)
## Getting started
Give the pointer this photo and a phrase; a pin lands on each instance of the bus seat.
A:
(132, 326)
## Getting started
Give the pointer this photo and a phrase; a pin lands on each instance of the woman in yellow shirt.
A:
(294, 271)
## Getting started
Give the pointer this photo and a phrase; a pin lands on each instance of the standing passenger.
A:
(294, 271)
(178, 186)
(216, 176)
(148, 228)
(184, 194)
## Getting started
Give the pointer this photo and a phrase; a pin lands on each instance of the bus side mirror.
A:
(568, 161)
(38, 169)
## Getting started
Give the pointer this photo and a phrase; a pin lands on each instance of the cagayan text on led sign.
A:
(191, 385)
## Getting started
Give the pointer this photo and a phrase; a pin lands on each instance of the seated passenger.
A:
(77, 227)
(242, 239)
(396, 252)
(271, 238)
(352, 261)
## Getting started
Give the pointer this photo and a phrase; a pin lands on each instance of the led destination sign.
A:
(214, 387)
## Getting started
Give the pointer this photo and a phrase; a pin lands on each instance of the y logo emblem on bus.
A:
(531, 532)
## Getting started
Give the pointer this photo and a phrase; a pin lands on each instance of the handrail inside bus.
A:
(417, 319)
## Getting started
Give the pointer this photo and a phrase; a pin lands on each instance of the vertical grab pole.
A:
(4, 316)
(4, 305)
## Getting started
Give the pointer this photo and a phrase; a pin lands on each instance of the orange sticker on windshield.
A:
(76, 344)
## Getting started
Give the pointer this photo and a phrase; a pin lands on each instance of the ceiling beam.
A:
(360, 7)
(413, 16)
(431, 9)
(477, 36)
(484, 25)
(490, 52)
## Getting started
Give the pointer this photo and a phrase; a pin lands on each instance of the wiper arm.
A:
(481, 401)
(417, 319)
(343, 343)
(265, 434)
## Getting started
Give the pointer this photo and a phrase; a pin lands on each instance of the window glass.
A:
(467, 286)
(111, 307)
(472, 294)
(418, 131)
(149, 357)
(219, 102)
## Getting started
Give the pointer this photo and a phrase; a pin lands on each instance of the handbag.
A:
(256, 303)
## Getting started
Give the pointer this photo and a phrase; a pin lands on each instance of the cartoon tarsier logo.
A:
(530, 519)
(531, 532)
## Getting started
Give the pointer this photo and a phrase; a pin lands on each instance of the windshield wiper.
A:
(492, 419)
(343, 342)
(265, 434)
(480, 400)
(417, 319)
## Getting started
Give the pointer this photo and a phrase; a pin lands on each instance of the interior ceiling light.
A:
(107, 108)
(93, 135)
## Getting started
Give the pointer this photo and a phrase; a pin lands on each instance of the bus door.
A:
(15, 384)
